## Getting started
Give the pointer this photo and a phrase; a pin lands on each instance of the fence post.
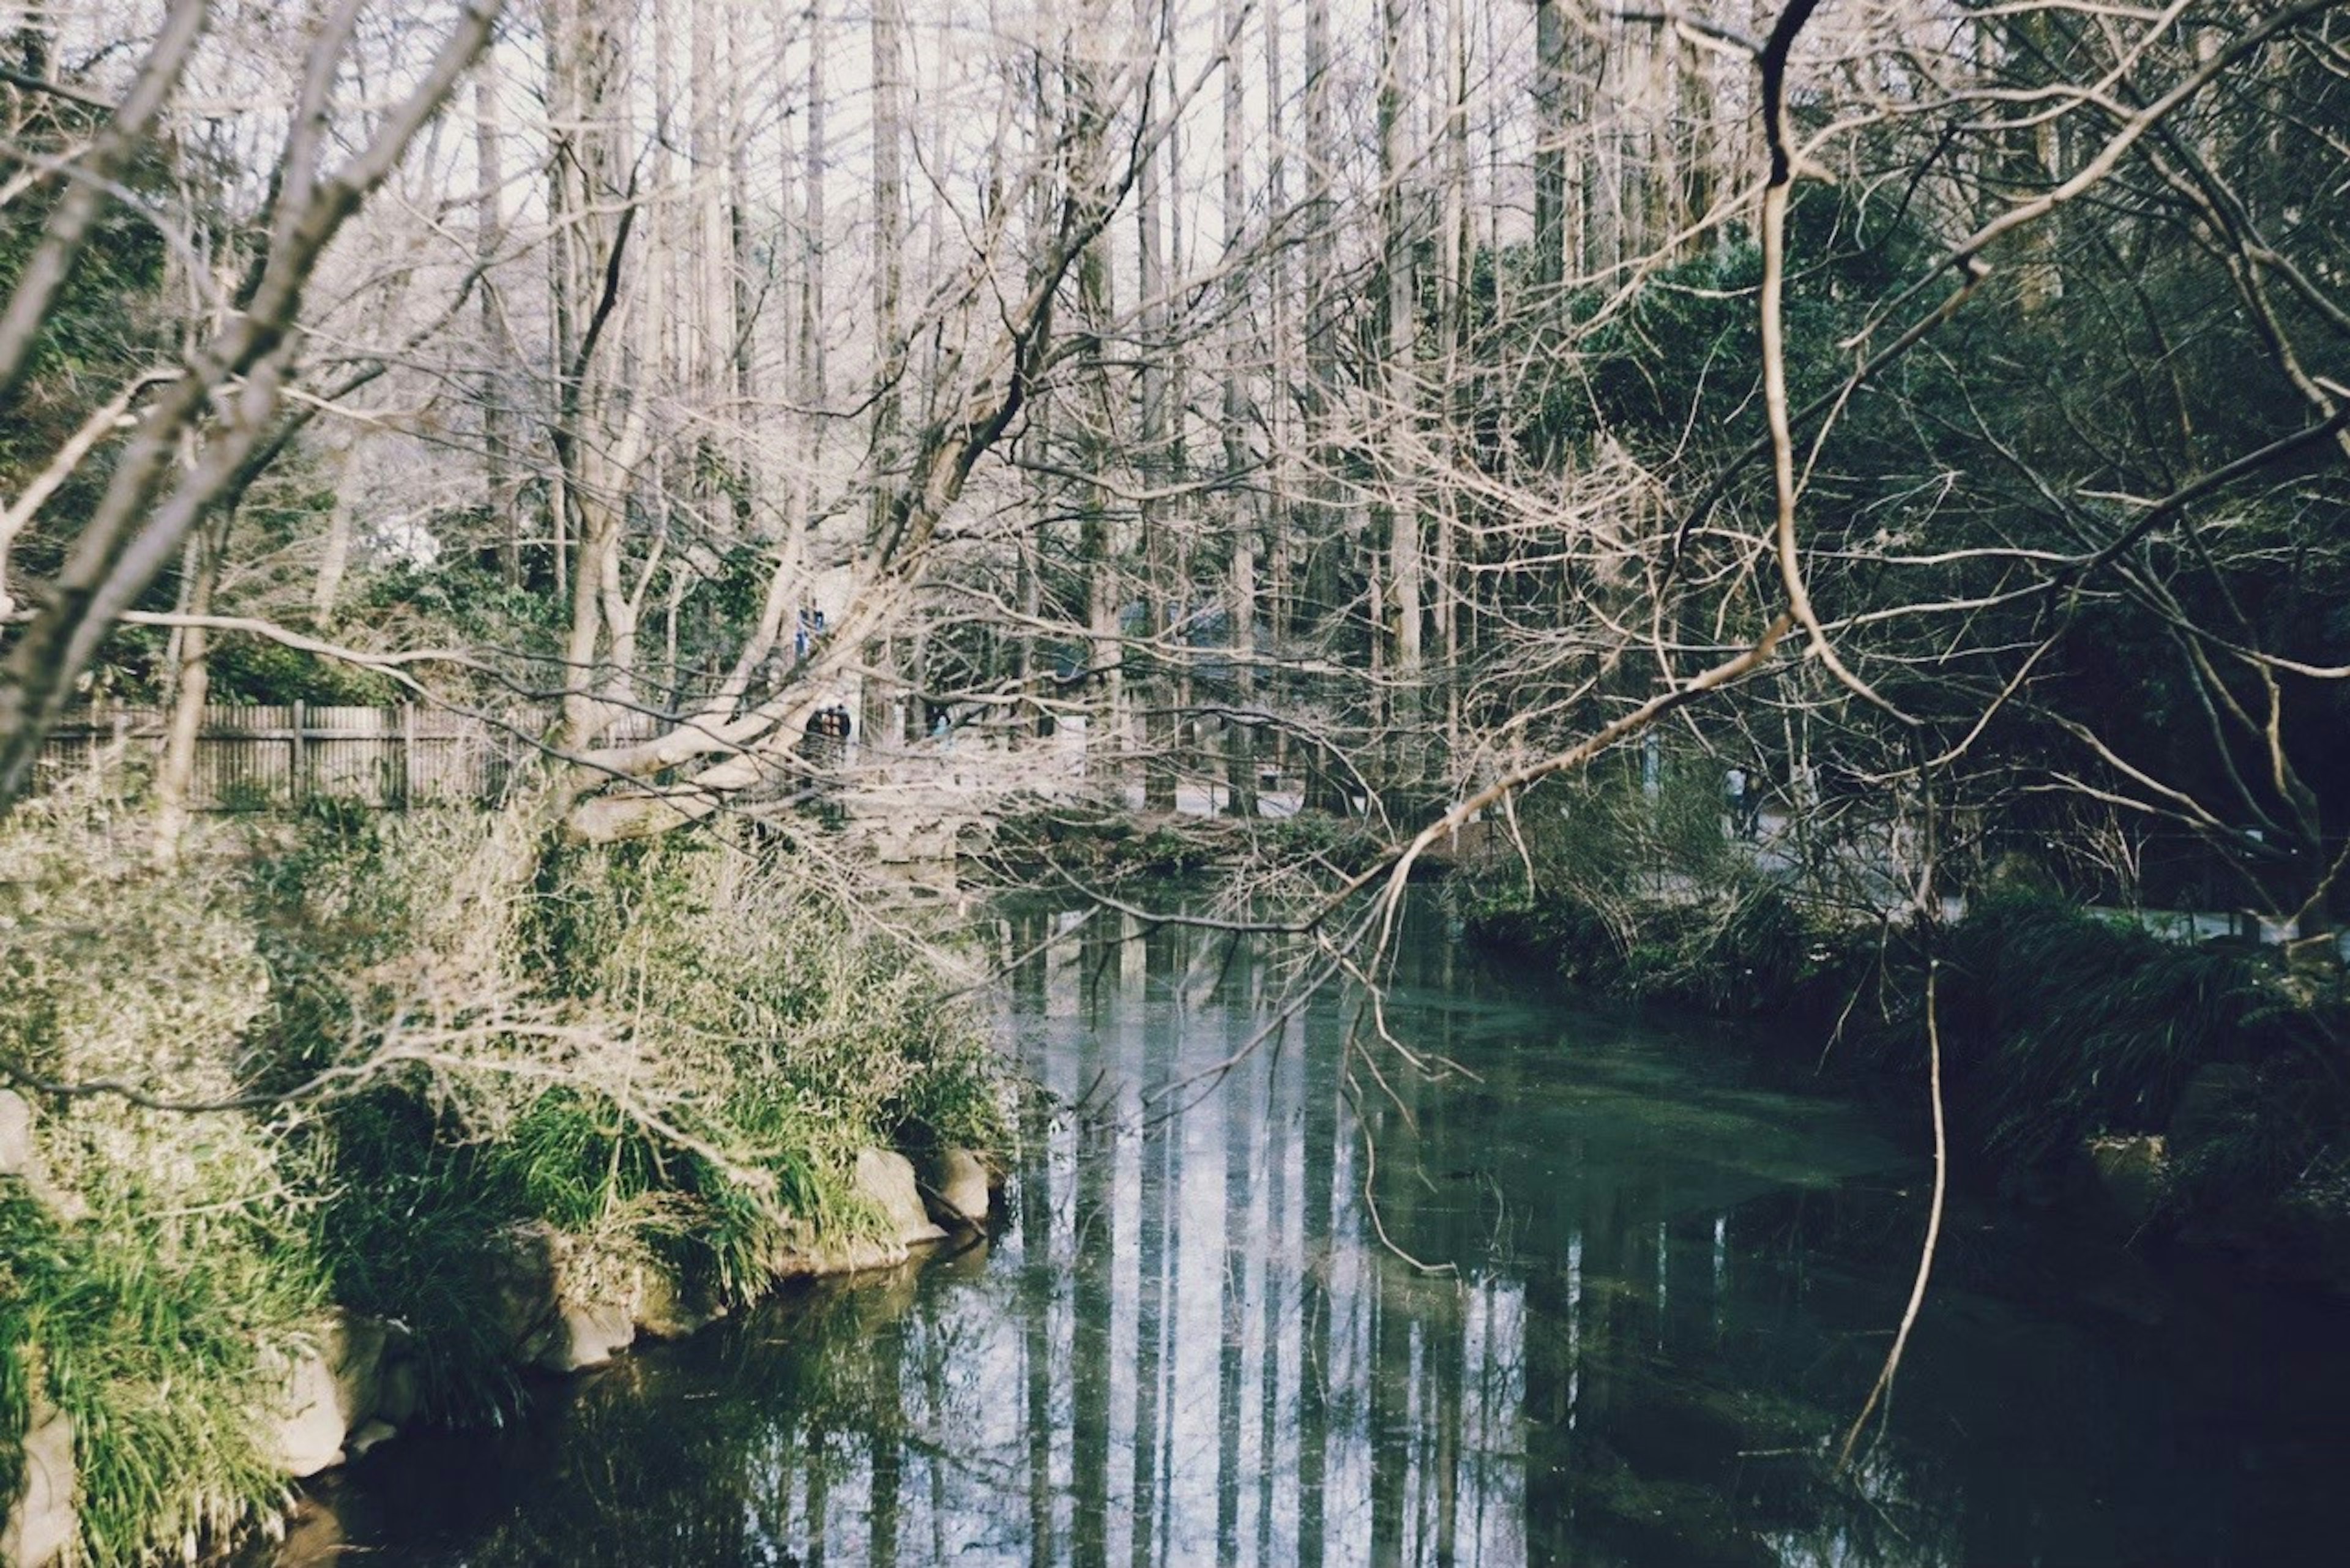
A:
(296, 780)
(406, 755)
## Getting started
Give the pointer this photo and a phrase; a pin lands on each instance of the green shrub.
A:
(144, 1323)
(2070, 1025)
(668, 1054)
(690, 1040)
(2057, 1023)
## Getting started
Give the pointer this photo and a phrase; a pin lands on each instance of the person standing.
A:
(1733, 797)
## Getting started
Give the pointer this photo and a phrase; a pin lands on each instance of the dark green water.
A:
(1669, 1286)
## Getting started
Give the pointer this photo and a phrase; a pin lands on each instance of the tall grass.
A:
(1643, 895)
(665, 1054)
(2072, 1025)
(142, 1311)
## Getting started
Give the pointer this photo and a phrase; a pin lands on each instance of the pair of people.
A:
(828, 731)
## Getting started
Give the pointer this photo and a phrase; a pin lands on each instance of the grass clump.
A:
(2072, 1025)
(147, 1332)
(668, 1054)
(664, 1058)
(142, 1288)
(1641, 895)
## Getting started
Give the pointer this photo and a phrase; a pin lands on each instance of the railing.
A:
(264, 757)
(270, 757)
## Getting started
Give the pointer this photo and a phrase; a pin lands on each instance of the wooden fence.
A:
(260, 758)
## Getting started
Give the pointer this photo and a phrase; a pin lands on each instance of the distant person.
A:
(1749, 813)
(1733, 797)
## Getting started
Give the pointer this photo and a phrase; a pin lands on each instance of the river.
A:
(1630, 1291)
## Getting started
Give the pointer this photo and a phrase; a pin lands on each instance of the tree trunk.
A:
(1550, 148)
(884, 705)
(1161, 718)
(175, 771)
(812, 312)
(1240, 742)
(1459, 401)
(1401, 218)
(489, 230)
(1280, 371)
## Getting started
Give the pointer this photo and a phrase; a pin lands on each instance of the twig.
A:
(1883, 1391)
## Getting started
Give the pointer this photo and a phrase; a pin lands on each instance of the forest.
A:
(1265, 467)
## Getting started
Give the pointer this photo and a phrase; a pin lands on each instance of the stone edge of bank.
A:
(356, 1381)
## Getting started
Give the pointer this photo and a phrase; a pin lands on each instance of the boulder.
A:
(856, 1255)
(401, 1394)
(354, 1348)
(886, 1180)
(958, 1189)
(15, 1135)
(584, 1335)
(518, 1282)
(303, 1430)
(40, 1523)
(368, 1436)
(325, 1389)
(660, 1309)
(2131, 1173)
(2215, 1102)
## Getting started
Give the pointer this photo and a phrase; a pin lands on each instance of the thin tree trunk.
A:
(812, 309)
(1324, 572)
(1550, 147)
(489, 228)
(1402, 500)
(1105, 736)
(1158, 767)
(1458, 402)
(175, 774)
(336, 560)
(1282, 365)
(885, 710)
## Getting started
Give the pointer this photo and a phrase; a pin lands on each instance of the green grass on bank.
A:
(667, 1052)
(2056, 1024)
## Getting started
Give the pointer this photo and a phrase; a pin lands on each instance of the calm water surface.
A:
(1664, 1287)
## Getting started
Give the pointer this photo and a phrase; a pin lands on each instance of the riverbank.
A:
(359, 1124)
(1116, 844)
(2180, 1093)
(1666, 1279)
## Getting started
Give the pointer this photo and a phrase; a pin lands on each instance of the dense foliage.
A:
(2058, 1023)
(668, 1055)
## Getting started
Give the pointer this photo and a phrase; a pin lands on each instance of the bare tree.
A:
(226, 397)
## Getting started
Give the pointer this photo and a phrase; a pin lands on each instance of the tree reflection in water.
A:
(1183, 1344)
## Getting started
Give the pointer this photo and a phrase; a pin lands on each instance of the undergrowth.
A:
(668, 1055)
(2057, 1024)
(139, 1292)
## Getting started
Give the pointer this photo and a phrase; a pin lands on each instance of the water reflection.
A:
(1186, 1343)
